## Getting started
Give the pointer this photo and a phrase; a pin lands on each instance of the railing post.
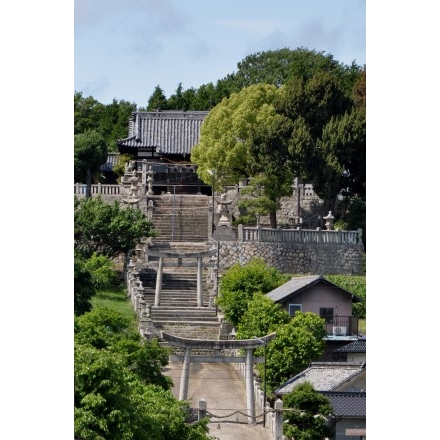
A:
(259, 229)
(240, 232)
(359, 240)
(278, 434)
(99, 188)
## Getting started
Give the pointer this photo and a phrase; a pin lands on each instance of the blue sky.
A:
(124, 49)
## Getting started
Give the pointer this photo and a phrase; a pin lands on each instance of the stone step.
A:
(187, 312)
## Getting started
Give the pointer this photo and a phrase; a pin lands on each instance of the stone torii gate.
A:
(245, 344)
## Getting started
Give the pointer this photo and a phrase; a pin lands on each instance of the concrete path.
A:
(224, 389)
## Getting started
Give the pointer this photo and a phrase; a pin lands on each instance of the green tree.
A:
(112, 403)
(315, 135)
(204, 97)
(239, 283)
(114, 122)
(87, 113)
(225, 134)
(272, 177)
(277, 67)
(119, 167)
(107, 228)
(104, 328)
(110, 121)
(181, 100)
(90, 152)
(103, 270)
(83, 286)
(262, 317)
(297, 343)
(157, 100)
(311, 412)
(120, 391)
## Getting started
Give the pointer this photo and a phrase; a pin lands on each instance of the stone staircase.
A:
(181, 217)
(178, 313)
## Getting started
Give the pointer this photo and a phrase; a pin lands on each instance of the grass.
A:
(115, 299)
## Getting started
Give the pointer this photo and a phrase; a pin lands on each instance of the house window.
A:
(327, 314)
(293, 308)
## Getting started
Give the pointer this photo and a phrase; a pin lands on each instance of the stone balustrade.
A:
(80, 189)
(298, 235)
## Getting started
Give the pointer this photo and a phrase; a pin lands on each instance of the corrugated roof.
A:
(353, 347)
(298, 284)
(168, 132)
(324, 376)
(347, 404)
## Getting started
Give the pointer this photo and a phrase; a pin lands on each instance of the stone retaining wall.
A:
(296, 258)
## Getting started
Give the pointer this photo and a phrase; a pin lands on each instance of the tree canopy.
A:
(298, 342)
(120, 391)
(110, 121)
(102, 231)
(274, 67)
(107, 228)
(90, 152)
(240, 283)
(310, 414)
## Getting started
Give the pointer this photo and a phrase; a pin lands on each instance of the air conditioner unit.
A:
(339, 331)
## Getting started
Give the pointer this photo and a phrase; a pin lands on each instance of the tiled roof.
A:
(347, 404)
(298, 284)
(112, 160)
(324, 376)
(168, 132)
(353, 347)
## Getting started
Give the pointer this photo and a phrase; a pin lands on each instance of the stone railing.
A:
(260, 234)
(80, 189)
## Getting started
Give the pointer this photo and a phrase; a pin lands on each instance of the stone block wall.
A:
(296, 258)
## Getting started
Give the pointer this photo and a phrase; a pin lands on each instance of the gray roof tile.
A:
(298, 284)
(168, 132)
(112, 160)
(347, 404)
(324, 376)
(353, 347)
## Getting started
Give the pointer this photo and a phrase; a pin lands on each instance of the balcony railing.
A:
(342, 327)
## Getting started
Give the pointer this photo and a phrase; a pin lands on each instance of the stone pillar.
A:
(199, 283)
(278, 432)
(202, 409)
(249, 374)
(144, 176)
(158, 282)
(150, 210)
(184, 378)
(139, 297)
(150, 181)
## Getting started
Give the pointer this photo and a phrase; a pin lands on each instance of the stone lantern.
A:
(329, 221)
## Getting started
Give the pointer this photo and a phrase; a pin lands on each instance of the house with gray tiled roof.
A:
(165, 140)
(353, 352)
(329, 376)
(316, 294)
(349, 414)
(344, 384)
